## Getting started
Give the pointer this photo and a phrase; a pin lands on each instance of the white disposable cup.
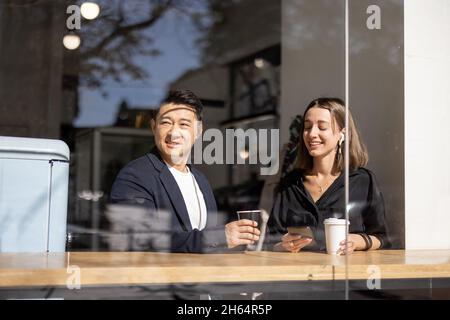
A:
(335, 231)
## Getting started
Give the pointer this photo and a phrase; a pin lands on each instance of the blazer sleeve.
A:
(208, 240)
(375, 217)
(128, 189)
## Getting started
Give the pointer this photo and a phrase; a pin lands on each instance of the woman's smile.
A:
(314, 144)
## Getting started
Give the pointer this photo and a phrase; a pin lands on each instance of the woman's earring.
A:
(340, 143)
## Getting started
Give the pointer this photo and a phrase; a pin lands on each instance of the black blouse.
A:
(294, 206)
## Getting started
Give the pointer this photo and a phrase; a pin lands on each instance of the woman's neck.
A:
(324, 166)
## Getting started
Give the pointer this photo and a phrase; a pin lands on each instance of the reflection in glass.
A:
(376, 98)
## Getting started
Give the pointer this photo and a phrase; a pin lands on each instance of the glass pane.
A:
(87, 186)
(311, 68)
(376, 205)
(386, 92)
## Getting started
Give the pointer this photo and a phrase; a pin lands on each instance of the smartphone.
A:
(304, 231)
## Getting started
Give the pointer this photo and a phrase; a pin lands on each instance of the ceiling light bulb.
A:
(90, 10)
(259, 63)
(71, 41)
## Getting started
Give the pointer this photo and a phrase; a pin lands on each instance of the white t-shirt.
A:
(193, 197)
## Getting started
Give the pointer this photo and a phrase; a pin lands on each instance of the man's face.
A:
(175, 129)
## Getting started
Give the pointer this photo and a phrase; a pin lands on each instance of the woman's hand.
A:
(292, 243)
(354, 242)
(241, 232)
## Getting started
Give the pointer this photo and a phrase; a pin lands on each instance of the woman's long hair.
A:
(357, 150)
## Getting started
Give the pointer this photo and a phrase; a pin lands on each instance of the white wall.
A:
(427, 124)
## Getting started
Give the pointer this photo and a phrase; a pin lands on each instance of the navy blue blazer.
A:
(148, 182)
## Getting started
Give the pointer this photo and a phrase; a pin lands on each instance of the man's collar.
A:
(156, 159)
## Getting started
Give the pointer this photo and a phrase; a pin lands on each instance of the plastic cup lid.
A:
(335, 221)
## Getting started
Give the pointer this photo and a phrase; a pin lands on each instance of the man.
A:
(162, 180)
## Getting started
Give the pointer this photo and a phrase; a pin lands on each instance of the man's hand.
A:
(241, 232)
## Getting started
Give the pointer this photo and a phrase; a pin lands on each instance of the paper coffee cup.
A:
(335, 232)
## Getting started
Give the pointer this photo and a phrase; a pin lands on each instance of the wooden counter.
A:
(132, 268)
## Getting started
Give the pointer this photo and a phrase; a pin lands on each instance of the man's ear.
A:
(152, 125)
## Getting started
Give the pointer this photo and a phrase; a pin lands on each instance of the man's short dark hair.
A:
(184, 97)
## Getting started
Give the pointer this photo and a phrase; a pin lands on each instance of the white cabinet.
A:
(34, 177)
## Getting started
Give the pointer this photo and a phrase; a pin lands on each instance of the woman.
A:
(314, 190)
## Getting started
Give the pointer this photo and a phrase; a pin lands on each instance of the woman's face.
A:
(321, 133)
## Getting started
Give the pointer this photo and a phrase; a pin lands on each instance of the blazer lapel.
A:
(206, 190)
(214, 218)
(172, 189)
(175, 196)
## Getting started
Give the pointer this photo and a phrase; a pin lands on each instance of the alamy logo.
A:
(241, 146)
(88, 10)
(374, 279)
(74, 279)
(374, 20)
(237, 146)
(73, 21)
